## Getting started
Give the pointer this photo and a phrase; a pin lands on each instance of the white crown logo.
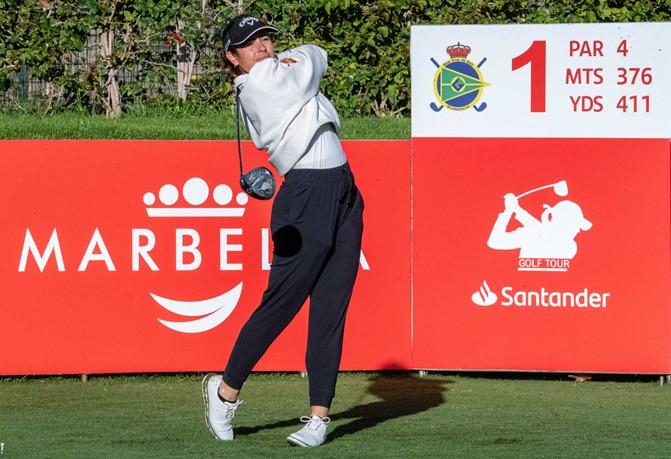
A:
(484, 296)
(195, 192)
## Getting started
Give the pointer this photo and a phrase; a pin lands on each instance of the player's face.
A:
(246, 55)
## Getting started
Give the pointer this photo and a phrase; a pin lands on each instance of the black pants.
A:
(316, 225)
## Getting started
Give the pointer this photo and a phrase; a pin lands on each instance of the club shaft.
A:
(534, 190)
(237, 125)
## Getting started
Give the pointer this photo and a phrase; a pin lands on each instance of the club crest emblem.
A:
(458, 83)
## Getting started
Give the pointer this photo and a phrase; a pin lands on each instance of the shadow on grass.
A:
(399, 395)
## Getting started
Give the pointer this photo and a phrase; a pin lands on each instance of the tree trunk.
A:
(111, 99)
(186, 61)
(239, 5)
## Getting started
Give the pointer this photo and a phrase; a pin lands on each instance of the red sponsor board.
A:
(143, 256)
(541, 254)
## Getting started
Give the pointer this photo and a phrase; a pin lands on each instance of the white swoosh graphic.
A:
(217, 310)
(202, 307)
(203, 324)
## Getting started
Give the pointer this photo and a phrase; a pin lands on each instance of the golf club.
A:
(560, 188)
(259, 183)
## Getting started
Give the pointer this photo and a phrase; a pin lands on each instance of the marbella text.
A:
(188, 256)
(187, 249)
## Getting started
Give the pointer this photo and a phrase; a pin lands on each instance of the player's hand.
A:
(510, 202)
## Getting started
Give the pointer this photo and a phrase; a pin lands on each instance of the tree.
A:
(40, 35)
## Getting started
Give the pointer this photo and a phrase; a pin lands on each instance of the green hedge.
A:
(367, 43)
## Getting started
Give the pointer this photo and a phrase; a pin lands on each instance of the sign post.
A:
(547, 248)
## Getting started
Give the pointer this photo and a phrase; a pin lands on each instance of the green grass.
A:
(374, 415)
(154, 124)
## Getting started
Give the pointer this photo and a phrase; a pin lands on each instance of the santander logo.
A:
(484, 296)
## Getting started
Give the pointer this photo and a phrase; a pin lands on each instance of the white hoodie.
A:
(282, 106)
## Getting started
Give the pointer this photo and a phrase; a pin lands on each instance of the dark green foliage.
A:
(367, 42)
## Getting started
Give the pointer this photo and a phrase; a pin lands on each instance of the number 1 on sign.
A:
(535, 56)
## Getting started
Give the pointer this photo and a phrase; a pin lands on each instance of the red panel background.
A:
(99, 321)
(623, 189)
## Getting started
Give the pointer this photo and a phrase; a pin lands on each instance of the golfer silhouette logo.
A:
(546, 244)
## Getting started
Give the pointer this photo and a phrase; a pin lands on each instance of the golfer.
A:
(316, 221)
(553, 236)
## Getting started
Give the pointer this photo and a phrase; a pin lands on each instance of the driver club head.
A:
(561, 188)
(259, 183)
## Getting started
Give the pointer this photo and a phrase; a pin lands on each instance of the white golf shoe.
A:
(218, 415)
(313, 432)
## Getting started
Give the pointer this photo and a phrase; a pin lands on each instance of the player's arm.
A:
(499, 238)
(306, 64)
